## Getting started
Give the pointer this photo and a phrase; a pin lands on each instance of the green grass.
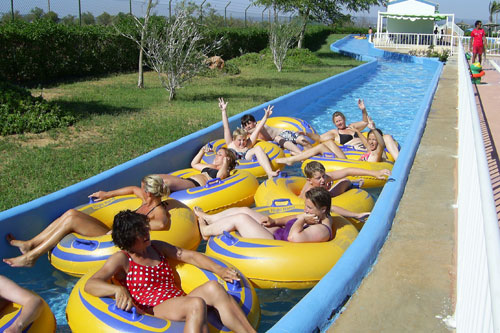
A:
(118, 122)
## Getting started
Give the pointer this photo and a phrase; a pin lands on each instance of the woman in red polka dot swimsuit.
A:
(148, 281)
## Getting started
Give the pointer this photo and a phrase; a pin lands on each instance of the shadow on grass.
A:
(83, 110)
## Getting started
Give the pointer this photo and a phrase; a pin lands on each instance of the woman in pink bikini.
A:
(151, 191)
(315, 225)
(147, 280)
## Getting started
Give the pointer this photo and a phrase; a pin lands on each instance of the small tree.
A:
(281, 38)
(104, 19)
(177, 51)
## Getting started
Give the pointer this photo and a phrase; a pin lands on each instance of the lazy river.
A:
(396, 90)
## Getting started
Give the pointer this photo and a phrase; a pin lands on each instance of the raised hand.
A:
(269, 110)
(222, 104)
(371, 123)
(361, 104)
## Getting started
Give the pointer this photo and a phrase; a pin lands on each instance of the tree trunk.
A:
(140, 80)
(305, 16)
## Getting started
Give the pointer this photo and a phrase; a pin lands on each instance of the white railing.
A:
(478, 245)
(415, 41)
(492, 47)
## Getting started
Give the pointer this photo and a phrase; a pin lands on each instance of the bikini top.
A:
(161, 203)
(211, 172)
(240, 155)
(344, 138)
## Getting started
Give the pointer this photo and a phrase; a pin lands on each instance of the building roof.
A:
(422, 1)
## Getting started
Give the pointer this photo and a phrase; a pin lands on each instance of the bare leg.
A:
(302, 140)
(176, 183)
(191, 309)
(391, 146)
(263, 161)
(27, 245)
(242, 223)
(230, 313)
(227, 213)
(325, 147)
(71, 221)
(292, 147)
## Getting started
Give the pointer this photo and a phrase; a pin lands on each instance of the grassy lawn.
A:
(118, 122)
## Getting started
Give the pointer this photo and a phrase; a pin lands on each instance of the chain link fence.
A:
(84, 11)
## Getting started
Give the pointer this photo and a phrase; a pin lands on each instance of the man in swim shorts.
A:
(285, 138)
(478, 42)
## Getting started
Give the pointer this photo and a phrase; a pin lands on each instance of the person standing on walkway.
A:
(478, 42)
(370, 33)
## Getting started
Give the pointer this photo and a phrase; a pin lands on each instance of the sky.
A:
(470, 10)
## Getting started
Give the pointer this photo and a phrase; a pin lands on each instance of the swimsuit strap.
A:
(329, 231)
(161, 203)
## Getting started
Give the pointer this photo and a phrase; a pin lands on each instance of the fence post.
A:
(263, 15)
(225, 12)
(169, 9)
(80, 11)
(48, 4)
(246, 15)
(130, 6)
(12, 9)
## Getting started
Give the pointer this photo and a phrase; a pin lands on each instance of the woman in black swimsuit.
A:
(151, 191)
(224, 163)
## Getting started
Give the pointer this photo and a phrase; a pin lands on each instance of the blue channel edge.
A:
(320, 307)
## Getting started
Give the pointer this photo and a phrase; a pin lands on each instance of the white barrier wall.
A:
(478, 257)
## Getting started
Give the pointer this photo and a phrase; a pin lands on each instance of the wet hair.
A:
(232, 159)
(154, 184)
(239, 132)
(337, 113)
(320, 197)
(246, 119)
(127, 226)
(477, 23)
(313, 167)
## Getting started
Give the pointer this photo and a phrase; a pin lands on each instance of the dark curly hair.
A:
(320, 197)
(127, 226)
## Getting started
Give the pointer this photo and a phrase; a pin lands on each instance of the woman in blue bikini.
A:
(314, 225)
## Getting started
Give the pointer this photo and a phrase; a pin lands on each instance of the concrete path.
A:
(488, 105)
(412, 285)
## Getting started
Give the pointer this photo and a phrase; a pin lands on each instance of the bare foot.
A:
(201, 214)
(22, 245)
(21, 261)
(202, 224)
(273, 174)
(283, 160)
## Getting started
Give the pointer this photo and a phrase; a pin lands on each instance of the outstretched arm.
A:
(103, 195)
(347, 213)
(380, 140)
(361, 125)
(225, 122)
(32, 304)
(98, 284)
(198, 259)
(255, 134)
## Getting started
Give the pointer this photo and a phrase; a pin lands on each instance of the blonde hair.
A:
(154, 184)
(239, 132)
(232, 159)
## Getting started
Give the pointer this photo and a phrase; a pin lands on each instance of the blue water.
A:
(392, 95)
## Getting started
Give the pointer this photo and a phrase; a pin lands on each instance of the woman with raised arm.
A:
(242, 145)
(155, 292)
(151, 191)
(223, 164)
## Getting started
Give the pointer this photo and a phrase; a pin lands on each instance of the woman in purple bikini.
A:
(314, 225)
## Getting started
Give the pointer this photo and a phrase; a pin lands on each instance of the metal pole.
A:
(263, 14)
(225, 11)
(201, 11)
(246, 15)
(130, 6)
(48, 2)
(170, 9)
(12, 9)
(80, 11)
(269, 16)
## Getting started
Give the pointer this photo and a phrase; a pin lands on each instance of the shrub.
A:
(20, 112)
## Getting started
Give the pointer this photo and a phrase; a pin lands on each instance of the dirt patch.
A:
(44, 139)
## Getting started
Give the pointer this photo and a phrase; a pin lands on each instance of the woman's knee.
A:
(196, 305)
(214, 288)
